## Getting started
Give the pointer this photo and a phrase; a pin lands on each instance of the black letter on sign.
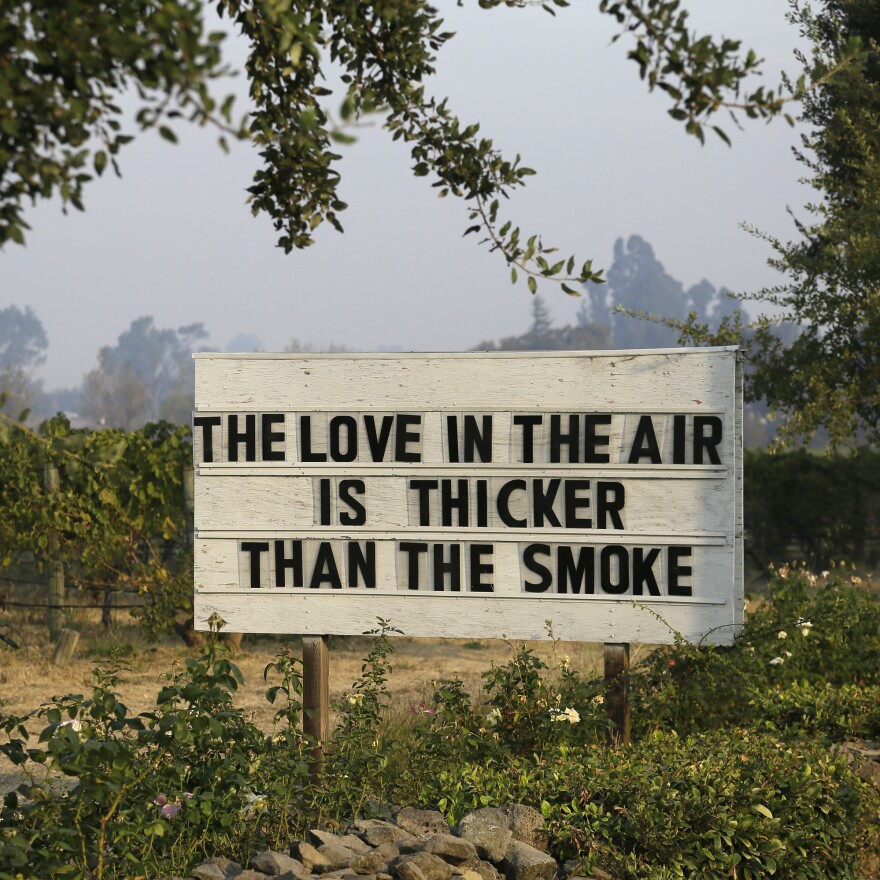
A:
(542, 502)
(378, 442)
(679, 427)
(450, 502)
(413, 550)
(255, 548)
(574, 503)
(476, 440)
(305, 437)
(608, 585)
(643, 571)
(452, 438)
(558, 439)
(710, 443)
(537, 568)
(592, 440)
(567, 572)
(403, 437)
(608, 509)
(207, 424)
(271, 437)
(479, 568)
(502, 501)
(424, 488)
(294, 562)
(351, 438)
(528, 423)
(451, 568)
(324, 485)
(248, 437)
(676, 570)
(645, 443)
(324, 559)
(359, 514)
(362, 564)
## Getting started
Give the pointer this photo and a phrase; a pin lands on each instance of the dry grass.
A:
(28, 679)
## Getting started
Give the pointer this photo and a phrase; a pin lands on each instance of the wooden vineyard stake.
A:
(65, 647)
(52, 485)
(316, 695)
(617, 691)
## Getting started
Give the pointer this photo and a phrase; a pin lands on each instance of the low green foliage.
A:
(118, 521)
(814, 639)
(722, 805)
(734, 771)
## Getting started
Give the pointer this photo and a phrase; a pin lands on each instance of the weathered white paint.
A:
(696, 505)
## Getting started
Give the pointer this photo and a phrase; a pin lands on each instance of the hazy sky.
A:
(174, 239)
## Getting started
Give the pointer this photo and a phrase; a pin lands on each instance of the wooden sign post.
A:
(617, 692)
(316, 695)
(471, 496)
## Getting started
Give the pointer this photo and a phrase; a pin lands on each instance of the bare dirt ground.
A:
(28, 679)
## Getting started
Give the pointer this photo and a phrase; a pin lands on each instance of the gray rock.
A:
(451, 849)
(487, 829)
(464, 873)
(338, 855)
(411, 844)
(314, 860)
(388, 851)
(486, 870)
(247, 874)
(217, 869)
(351, 841)
(524, 862)
(422, 823)
(275, 863)
(422, 866)
(293, 875)
(527, 824)
(366, 863)
(375, 832)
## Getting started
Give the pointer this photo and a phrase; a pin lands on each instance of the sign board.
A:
(475, 495)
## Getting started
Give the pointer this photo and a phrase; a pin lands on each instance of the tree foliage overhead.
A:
(816, 356)
(63, 67)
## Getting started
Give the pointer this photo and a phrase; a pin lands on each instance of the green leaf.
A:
(168, 134)
(760, 808)
(533, 285)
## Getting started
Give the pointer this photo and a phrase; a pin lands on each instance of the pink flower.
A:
(161, 800)
(169, 811)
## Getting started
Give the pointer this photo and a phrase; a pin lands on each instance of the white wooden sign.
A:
(471, 495)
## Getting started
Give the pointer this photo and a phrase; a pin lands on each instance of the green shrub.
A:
(810, 636)
(763, 795)
(719, 805)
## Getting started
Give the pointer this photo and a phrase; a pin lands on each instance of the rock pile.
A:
(488, 844)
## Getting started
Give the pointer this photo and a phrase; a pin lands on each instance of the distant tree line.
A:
(147, 375)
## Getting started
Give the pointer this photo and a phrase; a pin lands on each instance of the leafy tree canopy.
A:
(828, 374)
(65, 66)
